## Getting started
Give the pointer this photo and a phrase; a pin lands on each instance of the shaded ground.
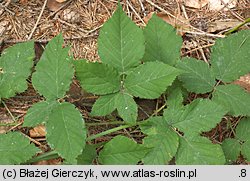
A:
(80, 21)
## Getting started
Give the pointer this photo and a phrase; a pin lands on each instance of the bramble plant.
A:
(135, 63)
(14, 59)
(52, 78)
(120, 76)
(15, 67)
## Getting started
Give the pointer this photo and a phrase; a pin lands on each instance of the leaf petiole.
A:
(53, 154)
(237, 27)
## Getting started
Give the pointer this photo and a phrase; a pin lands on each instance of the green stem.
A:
(158, 110)
(45, 156)
(53, 154)
(105, 123)
(237, 27)
(108, 132)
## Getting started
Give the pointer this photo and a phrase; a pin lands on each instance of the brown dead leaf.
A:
(220, 25)
(148, 17)
(244, 81)
(180, 23)
(38, 132)
(196, 3)
(54, 5)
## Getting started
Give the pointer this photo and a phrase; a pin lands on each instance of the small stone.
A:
(70, 16)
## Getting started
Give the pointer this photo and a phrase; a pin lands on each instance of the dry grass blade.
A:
(38, 19)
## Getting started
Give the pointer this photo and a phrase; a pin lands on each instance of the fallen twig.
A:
(38, 19)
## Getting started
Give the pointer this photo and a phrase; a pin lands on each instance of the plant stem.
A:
(53, 154)
(46, 156)
(105, 123)
(237, 27)
(158, 110)
(109, 131)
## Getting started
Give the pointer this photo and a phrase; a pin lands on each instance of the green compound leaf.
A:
(97, 78)
(229, 56)
(162, 42)
(87, 156)
(231, 149)
(199, 151)
(199, 116)
(234, 98)
(15, 149)
(38, 113)
(243, 133)
(150, 80)
(15, 67)
(243, 130)
(54, 71)
(66, 132)
(198, 77)
(121, 42)
(162, 139)
(175, 96)
(122, 151)
(104, 105)
(126, 107)
(175, 104)
(246, 150)
(175, 115)
(240, 144)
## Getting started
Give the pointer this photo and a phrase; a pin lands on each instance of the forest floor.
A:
(199, 23)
